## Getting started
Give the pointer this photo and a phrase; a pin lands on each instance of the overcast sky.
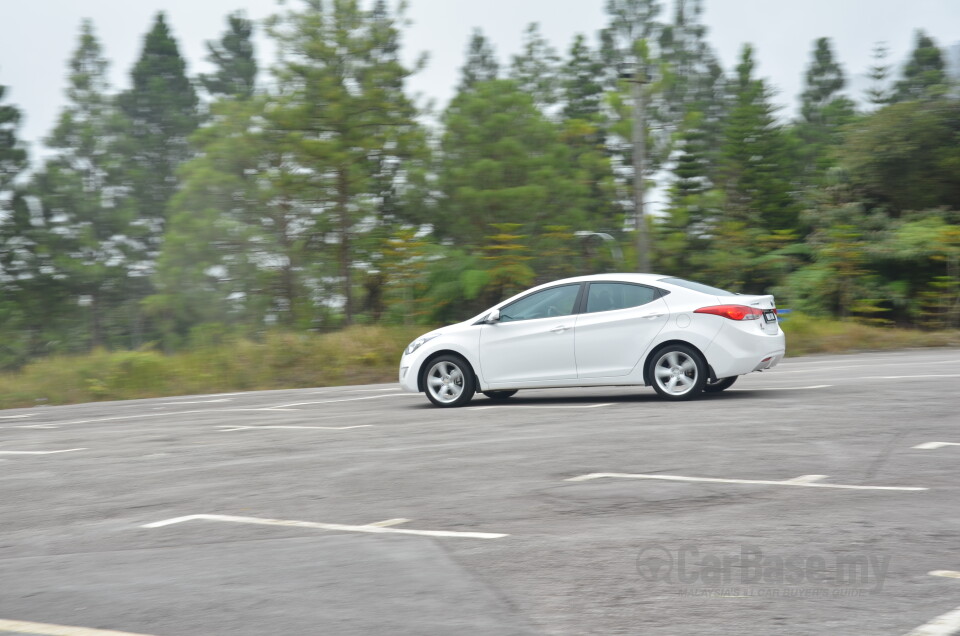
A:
(37, 37)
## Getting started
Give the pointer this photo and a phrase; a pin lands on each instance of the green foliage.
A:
(342, 115)
(13, 157)
(161, 107)
(277, 360)
(509, 272)
(319, 199)
(907, 156)
(756, 164)
(824, 112)
(879, 93)
(535, 70)
(481, 64)
(501, 163)
(234, 58)
(924, 76)
(581, 82)
(808, 334)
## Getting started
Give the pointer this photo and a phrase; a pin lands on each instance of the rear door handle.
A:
(653, 316)
(559, 329)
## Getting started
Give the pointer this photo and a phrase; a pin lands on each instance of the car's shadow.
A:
(588, 399)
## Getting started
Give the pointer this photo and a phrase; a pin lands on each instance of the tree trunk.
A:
(343, 254)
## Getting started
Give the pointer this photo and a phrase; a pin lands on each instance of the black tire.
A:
(720, 385)
(677, 372)
(499, 395)
(448, 381)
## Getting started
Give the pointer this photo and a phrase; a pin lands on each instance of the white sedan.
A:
(677, 336)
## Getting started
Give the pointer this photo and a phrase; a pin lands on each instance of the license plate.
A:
(770, 315)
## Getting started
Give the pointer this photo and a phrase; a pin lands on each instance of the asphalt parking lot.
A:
(822, 497)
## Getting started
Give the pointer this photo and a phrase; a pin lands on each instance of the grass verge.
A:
(358, 355)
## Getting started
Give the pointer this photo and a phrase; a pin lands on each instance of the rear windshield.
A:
(700, 287)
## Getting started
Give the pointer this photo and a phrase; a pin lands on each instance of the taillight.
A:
(733, 312)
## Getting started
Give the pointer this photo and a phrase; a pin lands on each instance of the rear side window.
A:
(700, 287)
(610, 296)
(556, 301)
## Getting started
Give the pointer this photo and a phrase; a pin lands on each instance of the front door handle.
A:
(559, 329)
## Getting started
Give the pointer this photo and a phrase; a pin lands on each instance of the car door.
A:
(533, 342)
(617, 325)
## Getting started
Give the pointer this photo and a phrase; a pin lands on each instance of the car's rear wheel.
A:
(677, 372)
(499, 395)
(449, 381)
(715, 386)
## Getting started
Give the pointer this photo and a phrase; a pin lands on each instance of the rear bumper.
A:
(742, 347)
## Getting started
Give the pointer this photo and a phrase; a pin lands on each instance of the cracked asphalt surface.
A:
(603, 556)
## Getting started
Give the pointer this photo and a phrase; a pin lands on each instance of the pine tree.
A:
(630, 20)
(14, 246)
(824, 79)
(87, 219)
(581, 82)
(235, 61)
(481, 64)
(692, 76)
(694, 107)
(924, 76)
(879, 92)
(824, 110)
(502, 161)
(755, 166)
(13, 157)
(536, 69)
(162, 110)
(583, 131)
(343, 107)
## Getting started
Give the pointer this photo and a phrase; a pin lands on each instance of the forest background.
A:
(243, 205)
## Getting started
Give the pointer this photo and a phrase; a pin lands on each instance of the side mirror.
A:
(492, 317)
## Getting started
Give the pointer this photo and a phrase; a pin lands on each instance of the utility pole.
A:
(636, 77)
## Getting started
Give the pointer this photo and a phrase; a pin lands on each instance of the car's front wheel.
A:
(715, 386)
(677, 372)
(499, 395)
(449, 381)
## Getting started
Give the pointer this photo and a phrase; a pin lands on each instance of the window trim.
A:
(582, 309)
(576, 303)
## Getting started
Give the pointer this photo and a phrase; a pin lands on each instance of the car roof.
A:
(626, 277)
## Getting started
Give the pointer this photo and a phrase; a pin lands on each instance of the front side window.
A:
(610, 296)
(556, 301)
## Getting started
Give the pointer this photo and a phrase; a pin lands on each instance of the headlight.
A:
(419, 342)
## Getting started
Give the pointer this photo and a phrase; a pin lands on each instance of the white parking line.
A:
(138, 416)
(14, 417)
(950, 574)
(805, 481)
(228, 429)
(357, 399)
(909, 377)
(196, 402)
(943, 625)
(538, 406)
(44, 629)
(935, 445)
(389, 522)
(872, 364)
(785, 388)
(369, 528)
(69, 450)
